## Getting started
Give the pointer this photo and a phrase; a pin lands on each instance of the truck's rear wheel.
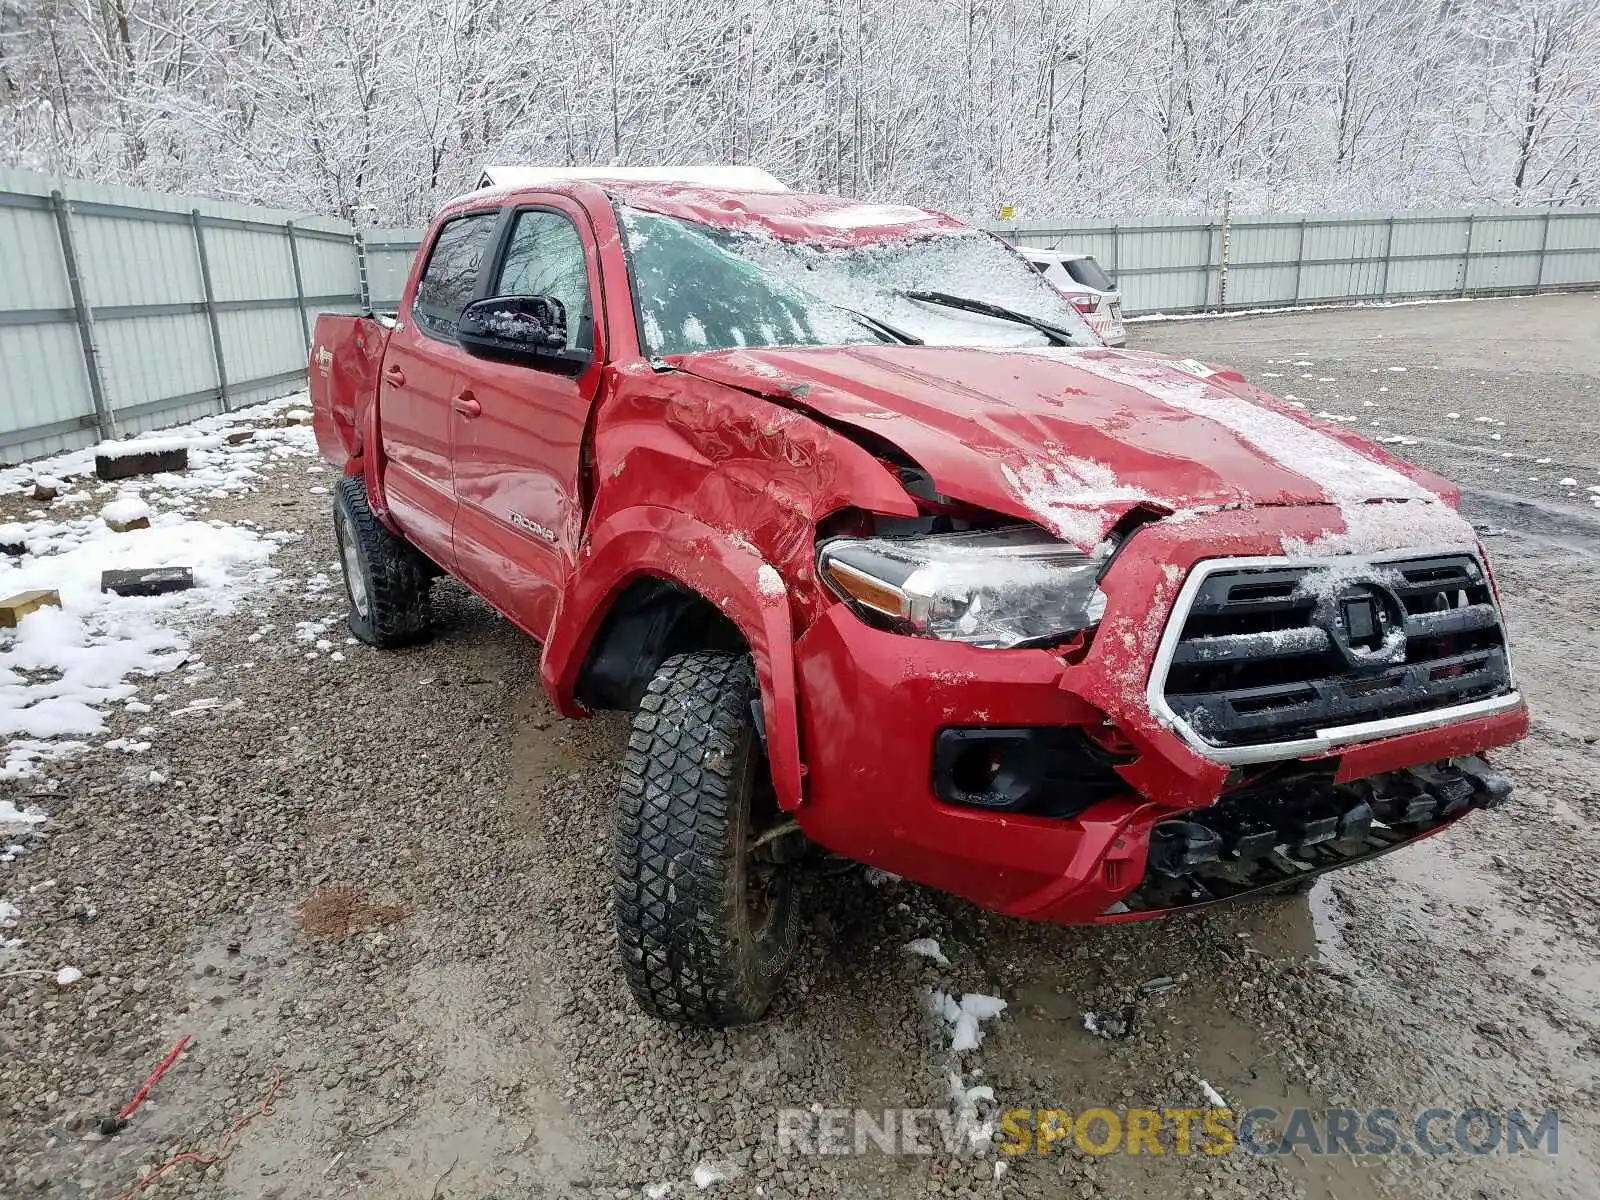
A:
(707, 916)
(385, 578)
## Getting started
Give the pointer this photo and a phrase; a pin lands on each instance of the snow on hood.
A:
(1074, 438)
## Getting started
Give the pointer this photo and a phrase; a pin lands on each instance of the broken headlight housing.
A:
(1001, 588)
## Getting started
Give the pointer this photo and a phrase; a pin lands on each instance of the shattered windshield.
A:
(698, 287)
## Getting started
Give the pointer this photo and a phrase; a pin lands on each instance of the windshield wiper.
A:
(878, 325)
(1057, 335)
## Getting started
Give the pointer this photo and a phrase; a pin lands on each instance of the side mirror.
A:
(530, 331)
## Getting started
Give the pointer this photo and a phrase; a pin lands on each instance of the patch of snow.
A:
(1390, 526)
(1213, 1097)
(927, 948)
(769, 581)
(67, 976)
(125, 511)
(1359, 485)
(964, 1102)
(1069, 494)
(965, 1016)
(142, 445)
(62, 666)
(708, 1172)
(871, 216)
(10, 814)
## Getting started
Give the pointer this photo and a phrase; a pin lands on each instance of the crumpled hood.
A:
(1074, 438)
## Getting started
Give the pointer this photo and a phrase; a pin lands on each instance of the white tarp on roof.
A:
(738, 179)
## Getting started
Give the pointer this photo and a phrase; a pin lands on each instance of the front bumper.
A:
(873, 705)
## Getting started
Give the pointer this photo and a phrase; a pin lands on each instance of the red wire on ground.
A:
(224, 1145)
(155, 1078)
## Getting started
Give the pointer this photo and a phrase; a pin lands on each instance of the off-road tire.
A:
(389, 595)
(691, 947)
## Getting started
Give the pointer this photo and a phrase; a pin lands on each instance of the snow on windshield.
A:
(702, 288)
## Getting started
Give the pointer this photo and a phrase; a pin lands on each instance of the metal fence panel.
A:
(389, 255)
(1176, 264)
(189, 306)
(1573, 251)
(44, 395)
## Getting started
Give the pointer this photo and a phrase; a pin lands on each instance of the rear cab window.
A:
(450, 277)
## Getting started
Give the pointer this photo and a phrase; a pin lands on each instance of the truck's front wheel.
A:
(707, 917)
(386, 578)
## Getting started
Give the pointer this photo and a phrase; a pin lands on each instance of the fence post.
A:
(299, 283)
(1222, 273)
(1205, 271)
(1466, 255)
(1544, 243)
(104, 419)
(1116, 250)
(1299, 259)
(361, 267)
(1388, 257)
(211, 308)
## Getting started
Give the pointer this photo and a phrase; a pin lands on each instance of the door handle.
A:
(394, 377)
(466, 404)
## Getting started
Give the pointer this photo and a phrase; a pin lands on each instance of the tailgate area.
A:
(346, 356)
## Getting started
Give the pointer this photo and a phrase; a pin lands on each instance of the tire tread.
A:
(679, 915)
(398, 575)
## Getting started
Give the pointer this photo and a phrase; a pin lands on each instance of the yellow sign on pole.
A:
(1008, 213)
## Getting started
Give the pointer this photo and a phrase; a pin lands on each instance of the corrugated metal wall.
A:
(185, 307)
(389, 255)
(1177, 266)
(192, 306)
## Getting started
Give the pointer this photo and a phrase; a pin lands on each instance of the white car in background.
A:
(1079, 278)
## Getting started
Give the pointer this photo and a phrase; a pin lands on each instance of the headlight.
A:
(995, 587)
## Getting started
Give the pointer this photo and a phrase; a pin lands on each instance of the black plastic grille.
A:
(1273, 654)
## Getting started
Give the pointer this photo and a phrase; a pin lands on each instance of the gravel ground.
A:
(385, 877)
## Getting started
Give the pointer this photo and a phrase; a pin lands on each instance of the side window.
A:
(545, 258)
(451, 275)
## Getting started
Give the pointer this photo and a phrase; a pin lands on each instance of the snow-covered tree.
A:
(378, 110)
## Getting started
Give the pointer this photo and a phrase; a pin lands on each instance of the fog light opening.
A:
(976, 769)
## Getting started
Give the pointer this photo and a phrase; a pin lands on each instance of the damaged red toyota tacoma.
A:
(891, 558)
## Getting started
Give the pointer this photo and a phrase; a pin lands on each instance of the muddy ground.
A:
(386, 879)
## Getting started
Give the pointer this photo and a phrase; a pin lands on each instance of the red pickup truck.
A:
(891, 558)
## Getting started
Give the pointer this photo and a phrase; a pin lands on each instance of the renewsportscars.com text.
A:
(1175, 1131)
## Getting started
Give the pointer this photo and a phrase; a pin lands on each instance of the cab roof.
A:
(746, 199)
(737, 178)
